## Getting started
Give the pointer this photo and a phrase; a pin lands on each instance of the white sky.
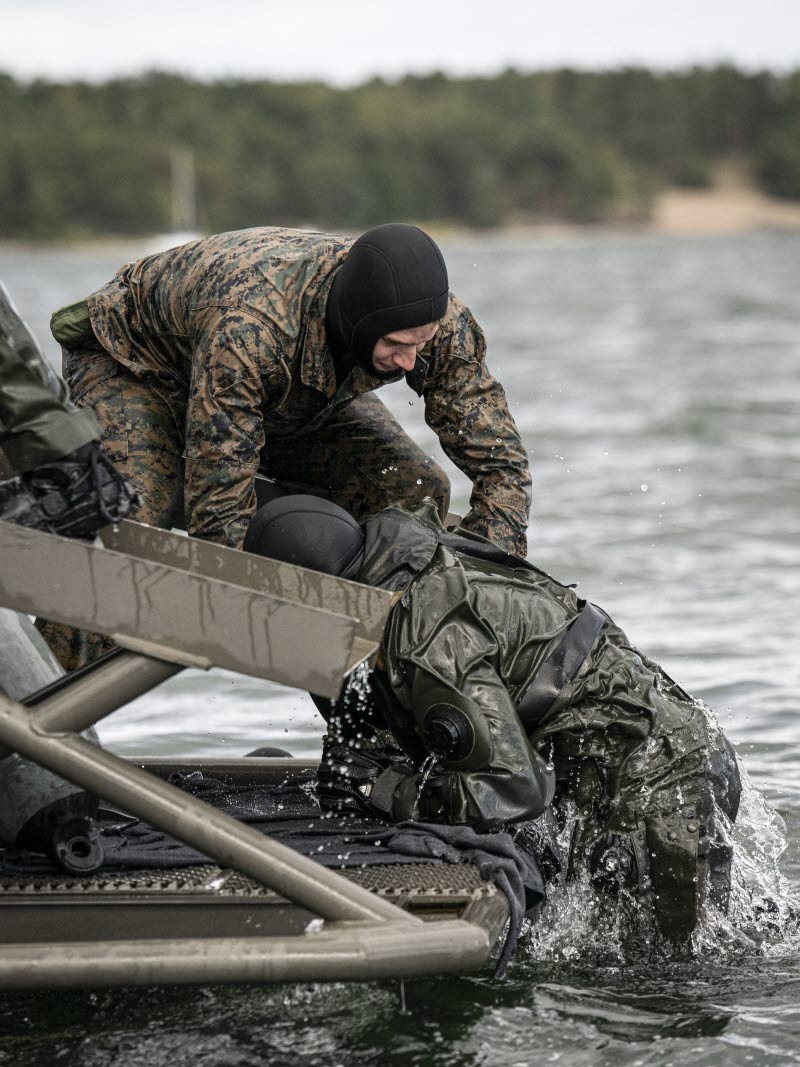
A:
(347, 41)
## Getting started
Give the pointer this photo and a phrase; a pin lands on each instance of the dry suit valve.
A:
(448, 733)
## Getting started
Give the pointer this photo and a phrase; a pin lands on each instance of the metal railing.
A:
(363, 935)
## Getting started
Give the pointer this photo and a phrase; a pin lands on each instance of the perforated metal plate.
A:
(398, 879)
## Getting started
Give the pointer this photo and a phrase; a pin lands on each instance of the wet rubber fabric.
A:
(647, 767)
(308, 532)
(38, 423)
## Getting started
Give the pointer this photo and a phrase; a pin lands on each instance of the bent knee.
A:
(438, 488)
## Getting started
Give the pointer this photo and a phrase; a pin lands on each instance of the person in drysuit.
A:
(261, 350)
(60, 481)
(522, 692)
(56, 475)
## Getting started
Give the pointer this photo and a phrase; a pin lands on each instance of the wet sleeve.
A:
(467, 409)
(502, 778)
(38, 423)
(236, 377)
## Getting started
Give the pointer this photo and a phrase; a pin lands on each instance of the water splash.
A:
(578, 923)
(348, 713)
(425, 772)
(763, 917)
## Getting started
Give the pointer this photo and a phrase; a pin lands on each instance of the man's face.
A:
(398, 350)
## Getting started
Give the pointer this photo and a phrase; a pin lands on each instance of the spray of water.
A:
(425, 772)
(580, 924)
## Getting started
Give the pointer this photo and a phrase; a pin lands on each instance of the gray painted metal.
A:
(197, 614)
(230, 843)
(189, 603)
(338, 952)
(367, 605)
(90, 698)
(209, 902)
(26, 664)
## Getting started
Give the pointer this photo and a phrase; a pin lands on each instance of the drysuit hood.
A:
(397, 547)
(309, 532)
(388, 552)
(393, 278)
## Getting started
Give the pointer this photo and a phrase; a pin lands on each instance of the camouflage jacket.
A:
(230, 330)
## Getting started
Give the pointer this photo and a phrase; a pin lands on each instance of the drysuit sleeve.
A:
(491, 775)
(38, 423)
(236, 378)
(467, 409)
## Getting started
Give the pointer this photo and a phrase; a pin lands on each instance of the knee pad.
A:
(436, 485)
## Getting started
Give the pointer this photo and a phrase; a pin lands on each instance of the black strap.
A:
(468, 546)
(561, 666)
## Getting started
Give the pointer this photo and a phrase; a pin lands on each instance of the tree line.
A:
(80, 159)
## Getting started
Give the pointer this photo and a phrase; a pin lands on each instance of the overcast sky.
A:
(347, 41)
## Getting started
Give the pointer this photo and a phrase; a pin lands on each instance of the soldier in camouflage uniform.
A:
(258, 351)
(491, 666)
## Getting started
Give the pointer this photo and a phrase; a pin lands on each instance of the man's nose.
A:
(407, 357)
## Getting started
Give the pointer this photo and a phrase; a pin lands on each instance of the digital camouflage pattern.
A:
(360, 458)
(652, 776)
(228, 334)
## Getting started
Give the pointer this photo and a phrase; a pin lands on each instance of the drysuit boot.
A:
(73, 496)
(65, 831)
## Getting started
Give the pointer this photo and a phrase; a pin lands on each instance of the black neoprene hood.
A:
(393, 278)
(309, 532)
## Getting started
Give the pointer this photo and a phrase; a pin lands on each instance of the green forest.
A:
(80, 159)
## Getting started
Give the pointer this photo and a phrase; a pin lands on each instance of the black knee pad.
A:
(724, 778)
(436, 485)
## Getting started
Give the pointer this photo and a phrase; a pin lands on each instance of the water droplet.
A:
(643, 488)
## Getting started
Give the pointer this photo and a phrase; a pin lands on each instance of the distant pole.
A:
(184, 188)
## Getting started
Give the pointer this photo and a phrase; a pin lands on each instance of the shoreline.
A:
(728, 209)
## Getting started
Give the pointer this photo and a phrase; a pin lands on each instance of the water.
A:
(655, 383)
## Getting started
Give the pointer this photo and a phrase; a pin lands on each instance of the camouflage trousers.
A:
(360, 458)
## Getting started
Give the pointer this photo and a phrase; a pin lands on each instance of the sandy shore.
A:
(724, 209)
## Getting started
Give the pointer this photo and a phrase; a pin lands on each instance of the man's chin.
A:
(386, 374)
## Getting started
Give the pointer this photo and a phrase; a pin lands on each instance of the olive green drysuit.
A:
(38, 422)
(646, 765)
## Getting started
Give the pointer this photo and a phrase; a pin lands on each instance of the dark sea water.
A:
(655, 382)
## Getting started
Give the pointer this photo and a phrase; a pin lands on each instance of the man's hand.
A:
(73, 496)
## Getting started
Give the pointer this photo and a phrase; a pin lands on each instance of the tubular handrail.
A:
(193, 821)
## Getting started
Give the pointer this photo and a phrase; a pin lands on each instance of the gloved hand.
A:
(74, 495)
(346, 776)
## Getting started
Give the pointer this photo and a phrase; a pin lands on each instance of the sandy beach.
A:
(731, 205)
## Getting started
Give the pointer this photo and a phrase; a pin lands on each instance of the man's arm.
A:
(463, 714)
(38, 422)
(501, 778)
(235, 378)
(467, 408)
